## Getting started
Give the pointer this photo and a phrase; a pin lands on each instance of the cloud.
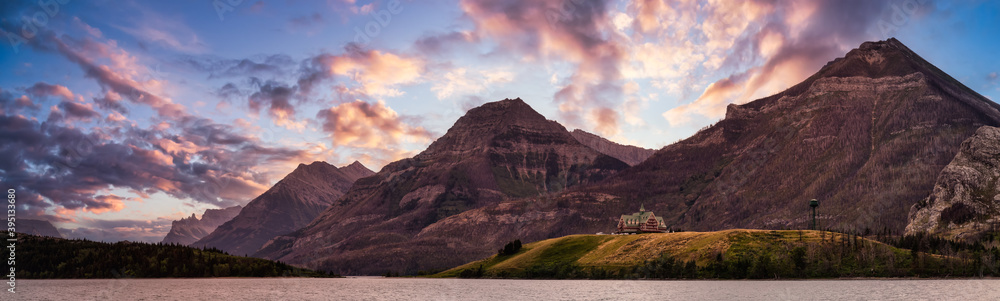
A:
(277, 65)
(443, 44)
(310, 24)
(348, 8)
(460, 82)
(78, 111)
(363, 74)
(87, 28)
(375, 71)
(117, 79)
(119, 230)
(572, 31)
(711, 104)
(100, 204)
(633, 104)
(605, 120)
(372, 126)
(276, 97)
(151, 28)
(771, 46)
(64, 168)
(10, 105)
(41, 89)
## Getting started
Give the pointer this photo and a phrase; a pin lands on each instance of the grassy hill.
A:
(730, 254)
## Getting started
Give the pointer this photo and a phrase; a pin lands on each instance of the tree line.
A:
(45, 257)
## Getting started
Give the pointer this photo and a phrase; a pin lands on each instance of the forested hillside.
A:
(46, 257)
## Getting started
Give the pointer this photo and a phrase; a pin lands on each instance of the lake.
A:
(377, 288)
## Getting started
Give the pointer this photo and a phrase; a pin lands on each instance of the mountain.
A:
(496, 152)
(866, 135)
(627, 153)
(288, 205)
(190, 229)
(965, 202)
(37, 227)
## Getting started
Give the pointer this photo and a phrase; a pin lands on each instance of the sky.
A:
(117, 117)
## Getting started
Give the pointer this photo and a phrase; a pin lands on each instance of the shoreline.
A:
(524, 279)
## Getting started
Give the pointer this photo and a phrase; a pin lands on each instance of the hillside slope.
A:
(287, 206)
(627, 153)
(723, 254)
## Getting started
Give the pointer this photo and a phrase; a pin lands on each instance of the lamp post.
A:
(813, 203)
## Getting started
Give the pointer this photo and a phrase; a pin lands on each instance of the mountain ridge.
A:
(37, 227)
(190, 229)
(291, 203)
(498, 151)
(627, 153)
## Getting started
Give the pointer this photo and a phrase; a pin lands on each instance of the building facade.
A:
(641, 222)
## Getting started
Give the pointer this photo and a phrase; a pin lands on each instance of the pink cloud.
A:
(43, 89)
(375, 71)
(374, 126)
(573, 31)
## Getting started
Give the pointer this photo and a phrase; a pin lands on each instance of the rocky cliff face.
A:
(965, 202)
(627, 153)
(866, 135)
(190, 229)
(288, 205)
(496, 152)
(37, 227)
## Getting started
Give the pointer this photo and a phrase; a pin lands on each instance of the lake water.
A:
(377, 288)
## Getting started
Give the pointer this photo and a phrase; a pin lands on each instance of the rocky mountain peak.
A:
(288, 205)
(356, 171)
(481, 126)
(504, 113)
(190, 229)
(891, 43)
(879, 66)
(313, 168)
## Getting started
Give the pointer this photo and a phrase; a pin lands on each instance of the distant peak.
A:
(504, 112)
(506, 104)
(481, 124)
(356, 171)
(875, 45)
(312, 167)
